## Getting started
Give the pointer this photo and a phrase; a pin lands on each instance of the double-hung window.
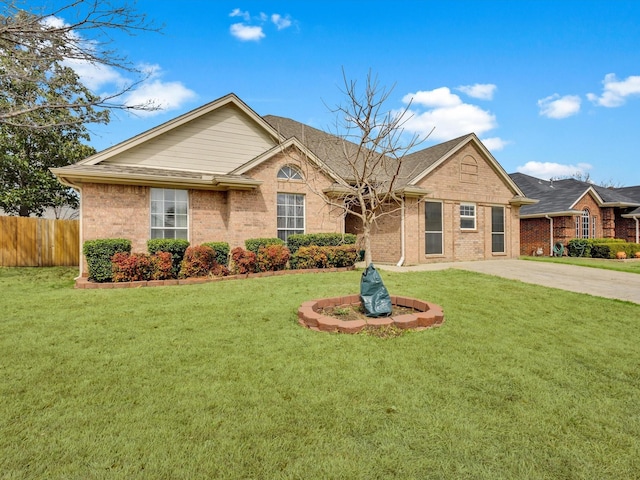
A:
(433, 228)
(497, 229)
(290, 214)
(169, 213)
(467, 216)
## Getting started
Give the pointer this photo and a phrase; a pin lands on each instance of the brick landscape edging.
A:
(85, 283)
(427, 315)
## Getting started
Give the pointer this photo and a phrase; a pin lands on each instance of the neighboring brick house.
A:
(224, 173)
(570, 208)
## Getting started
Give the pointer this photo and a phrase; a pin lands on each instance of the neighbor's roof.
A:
(559, 197)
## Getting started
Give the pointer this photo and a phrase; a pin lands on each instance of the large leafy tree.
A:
(27, 187)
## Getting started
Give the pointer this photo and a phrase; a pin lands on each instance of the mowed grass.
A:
(219, 381)
(631, 265)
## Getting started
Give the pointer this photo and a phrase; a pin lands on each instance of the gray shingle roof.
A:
(559, 196)
(331, 149)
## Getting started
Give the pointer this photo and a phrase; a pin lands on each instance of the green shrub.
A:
(99, 253)
(222, 252)
(601, 250)
(295, 241)
(243, 261)
(579, 247)
(272, 258)
(175, 246)
(254, 244)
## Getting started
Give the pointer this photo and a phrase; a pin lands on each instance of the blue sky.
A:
(551, 87)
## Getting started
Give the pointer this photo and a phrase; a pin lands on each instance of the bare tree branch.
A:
(82, 31)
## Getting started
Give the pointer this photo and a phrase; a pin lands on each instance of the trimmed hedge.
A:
(99, 253)
(295, 241)
(175, 246)
(222, 252)
(601, 247)
(254, 244)
(314, 256)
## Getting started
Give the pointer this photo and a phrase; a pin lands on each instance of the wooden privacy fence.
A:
(38, 242)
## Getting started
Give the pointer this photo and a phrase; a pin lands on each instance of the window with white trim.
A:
(468, 216)
(433, 228)
(290, 212)
(169, 213)
(497, 230)
(289, 172)
(585, 223)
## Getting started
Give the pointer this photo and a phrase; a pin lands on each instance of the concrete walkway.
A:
(593, 281)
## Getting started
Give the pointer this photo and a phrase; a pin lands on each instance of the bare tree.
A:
(32, 41)
(366, 149)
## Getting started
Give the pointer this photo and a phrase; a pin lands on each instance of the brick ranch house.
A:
(570, 208)
(224, 173)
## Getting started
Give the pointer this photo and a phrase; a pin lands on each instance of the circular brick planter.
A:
(426, 315)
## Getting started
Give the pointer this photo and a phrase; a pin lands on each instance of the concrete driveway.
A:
(593, 281)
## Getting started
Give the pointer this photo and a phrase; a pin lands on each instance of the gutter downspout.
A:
(637, 230)
(550, 234)
(402, 236)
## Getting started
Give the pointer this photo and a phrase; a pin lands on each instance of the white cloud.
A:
(246, 33)
(445, 111)
(555, 106)
(547, 170)
(165, 95)
(439, 97)
(615, 92)
(494, 143)
(239, 13)
(281, 22)
(482, 91)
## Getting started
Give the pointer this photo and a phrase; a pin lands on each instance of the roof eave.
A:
(206, 182)
(518, 201)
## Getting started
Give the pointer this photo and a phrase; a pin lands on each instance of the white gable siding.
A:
(217, 142)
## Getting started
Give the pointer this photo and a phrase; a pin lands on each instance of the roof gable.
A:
(215, 138)
(422, 163)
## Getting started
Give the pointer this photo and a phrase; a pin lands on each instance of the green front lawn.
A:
(218, 381)
(631, 265)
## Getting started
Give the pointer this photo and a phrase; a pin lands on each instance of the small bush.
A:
(272, 258)
(243, 261)
(99, 253)
(310, 257)
(222, 252)
(579, 247)
(131, 267)
(254, 244)
(342, 256)
(295, 241)
(162, 266)
(176, 247)
(136, 267)
(198, 261)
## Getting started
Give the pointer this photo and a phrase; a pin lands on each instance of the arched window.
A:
(289, 172)
(585, 223)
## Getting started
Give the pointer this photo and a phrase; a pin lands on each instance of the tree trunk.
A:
(24, 211)
(366, 238)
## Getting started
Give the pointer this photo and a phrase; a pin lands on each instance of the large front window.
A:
(433, 228)
(169, 213)
(497, 229)
(290, 214)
